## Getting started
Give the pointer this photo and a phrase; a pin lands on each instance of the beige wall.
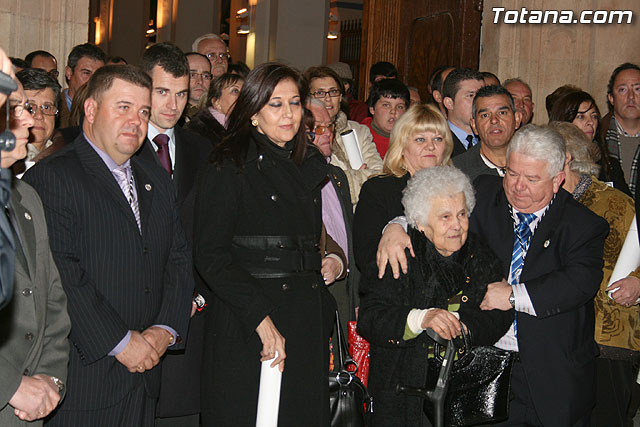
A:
(52, 25)
(547, 55)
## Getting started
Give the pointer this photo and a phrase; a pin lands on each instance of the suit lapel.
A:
(145, 190)
(505, 236)
(93, 165)
(185, 166)
(543, 236)
(27, 233)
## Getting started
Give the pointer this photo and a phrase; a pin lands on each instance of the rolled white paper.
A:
(352, 147)
(629, 258)
(269, 394)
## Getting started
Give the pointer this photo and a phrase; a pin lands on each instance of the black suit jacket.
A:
(458, 146)
(472, 164)
(562, 272)
(180, 388)
(116, 278)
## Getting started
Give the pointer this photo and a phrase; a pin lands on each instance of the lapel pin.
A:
(147, 187)
(546, 243)
(27, 215)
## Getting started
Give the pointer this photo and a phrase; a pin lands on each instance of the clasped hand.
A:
(35, 398)
(145, 349)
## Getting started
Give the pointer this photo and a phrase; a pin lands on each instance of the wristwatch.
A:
(58, 382)
(512, 300)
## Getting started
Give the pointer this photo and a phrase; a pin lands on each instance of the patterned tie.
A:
(521, 240)
(470, 141)
(162, 141)
(125, 180)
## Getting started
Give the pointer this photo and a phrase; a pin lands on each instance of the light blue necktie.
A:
(521, 240)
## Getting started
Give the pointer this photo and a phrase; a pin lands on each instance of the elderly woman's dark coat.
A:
(430, 281)
(255, 245)
(205, 125)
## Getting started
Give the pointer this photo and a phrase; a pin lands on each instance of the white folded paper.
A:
(269, 394)
(351, 145)
(629, 258)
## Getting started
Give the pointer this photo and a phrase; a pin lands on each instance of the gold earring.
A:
(254, 122)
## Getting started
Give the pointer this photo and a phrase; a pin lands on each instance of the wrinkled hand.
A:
(391, 250)
(628, 292)
(330, 269)
(158, 338)
(138, 355)
(363, 167)
(442, 322)
(272, 342)
(35, 398)
(497, 296)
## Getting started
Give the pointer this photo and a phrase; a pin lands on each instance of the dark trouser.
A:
(185, 421)
(614, 384)
(521, 409)
(135, 410)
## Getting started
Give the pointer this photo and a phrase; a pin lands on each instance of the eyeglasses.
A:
(322, 93)
(47, 109)
(17, 110)
(320, 130)
(204, 75)
(54, 74)
(221, 56)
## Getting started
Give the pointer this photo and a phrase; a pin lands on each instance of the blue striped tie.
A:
(520, 245)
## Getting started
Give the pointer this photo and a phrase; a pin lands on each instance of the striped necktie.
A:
(521, 240)
(125, 180)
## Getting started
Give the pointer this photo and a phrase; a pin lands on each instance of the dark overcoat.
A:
(271, 197)
(430, 281)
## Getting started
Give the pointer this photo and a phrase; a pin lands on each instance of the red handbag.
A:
(359, 349)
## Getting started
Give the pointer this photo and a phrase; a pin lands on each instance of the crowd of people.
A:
(179, 221)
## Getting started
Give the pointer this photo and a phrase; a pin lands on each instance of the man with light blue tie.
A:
(122, 256)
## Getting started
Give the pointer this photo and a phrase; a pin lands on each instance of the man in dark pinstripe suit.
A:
(122, 255)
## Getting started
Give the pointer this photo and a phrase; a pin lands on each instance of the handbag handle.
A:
(344, 358)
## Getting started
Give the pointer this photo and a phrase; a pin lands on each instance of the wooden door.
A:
(419, 35)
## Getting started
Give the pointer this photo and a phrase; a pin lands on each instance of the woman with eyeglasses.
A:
(211, 121)
(420, 139)
(327, 86)
(43, 93)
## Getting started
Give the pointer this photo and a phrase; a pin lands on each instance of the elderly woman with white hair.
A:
(442, 289)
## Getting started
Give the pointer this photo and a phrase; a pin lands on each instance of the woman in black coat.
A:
(449, 273)
(257, 226)
(211, 121)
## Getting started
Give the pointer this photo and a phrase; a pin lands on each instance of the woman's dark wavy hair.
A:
(566, 108)
(255, 94)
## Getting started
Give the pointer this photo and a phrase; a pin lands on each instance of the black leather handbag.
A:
(349, 401)
(471, 390)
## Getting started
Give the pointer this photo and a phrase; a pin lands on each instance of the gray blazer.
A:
(472, 164)
(35, 325)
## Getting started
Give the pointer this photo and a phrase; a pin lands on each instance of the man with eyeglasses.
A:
(337, 212)
(43, 93)
(199, 81)
(388, 100)
(215, 49)
(43, 60)
(34, 346)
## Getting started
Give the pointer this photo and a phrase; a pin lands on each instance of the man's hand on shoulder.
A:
(139, 355)
(35, 398)
(391, 250)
